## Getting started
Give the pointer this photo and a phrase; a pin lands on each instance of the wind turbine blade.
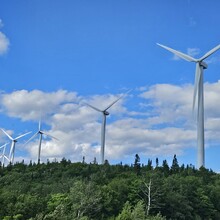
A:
(179, 54)
(94, 107)
(4, 145)
(39, 125)
(32, 137)
(196, 83)
(210, 52)
(115, 101)
(49, 135)
(6, 158)
(127, 92)
(7, 134)
(22, 135)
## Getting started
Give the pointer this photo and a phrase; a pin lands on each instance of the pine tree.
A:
(137, 165)
(126, 213)
(138, 212)
(175, 166)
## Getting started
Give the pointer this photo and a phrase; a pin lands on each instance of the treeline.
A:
(68, 191)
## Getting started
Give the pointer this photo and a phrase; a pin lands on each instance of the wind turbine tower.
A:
(3, 156)
(103, 128)
(199, 94)
(13, 142)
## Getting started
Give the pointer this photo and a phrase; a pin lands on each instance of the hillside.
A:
(66, 190)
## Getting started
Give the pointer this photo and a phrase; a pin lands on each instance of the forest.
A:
(79, 191)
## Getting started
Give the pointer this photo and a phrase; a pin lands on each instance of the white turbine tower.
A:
(198, 93)
(103, 128)
(3, 156)
(40, 133)
(13, 142)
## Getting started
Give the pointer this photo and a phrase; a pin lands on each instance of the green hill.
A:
(65, 190)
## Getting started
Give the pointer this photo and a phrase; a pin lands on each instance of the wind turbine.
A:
(198, 93)
(3, 156)
(40, 133)
(103, 128)
(13, 142)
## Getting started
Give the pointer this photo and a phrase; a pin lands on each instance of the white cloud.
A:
(4, 43)
(35, 104)
(170, 103)
(193, 51)
(163, 126)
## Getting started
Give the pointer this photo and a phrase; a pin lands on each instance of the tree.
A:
(146, 191)
(126, 213)
(157, 217)
(84, 200)
(138, 212)
(165, 168)
(83, 160)
(58, 213)
(157, 162)
(137, 165)
(149, 165)
(175, 165)
(206, 209)
(116, 194)
(78, 191)
(55, 201)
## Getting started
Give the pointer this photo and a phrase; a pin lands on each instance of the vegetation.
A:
(68, 191)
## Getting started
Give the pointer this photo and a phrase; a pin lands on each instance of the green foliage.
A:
(84, 200)
(126, 213)
(65, 190)
(138, 212)
(137, 165)
(55, 201)
(175, 165)
(157, 217)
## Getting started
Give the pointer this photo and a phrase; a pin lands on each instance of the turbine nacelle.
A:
(203, 64)
(106, 113)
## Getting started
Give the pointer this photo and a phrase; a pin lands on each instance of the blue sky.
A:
(56, 55)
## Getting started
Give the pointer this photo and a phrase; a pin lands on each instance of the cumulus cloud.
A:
(170, 103)
(4, 41)
(193, 51)
(32, 105)
(163, 126)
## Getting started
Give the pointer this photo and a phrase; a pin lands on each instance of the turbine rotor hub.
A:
(106, 113)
